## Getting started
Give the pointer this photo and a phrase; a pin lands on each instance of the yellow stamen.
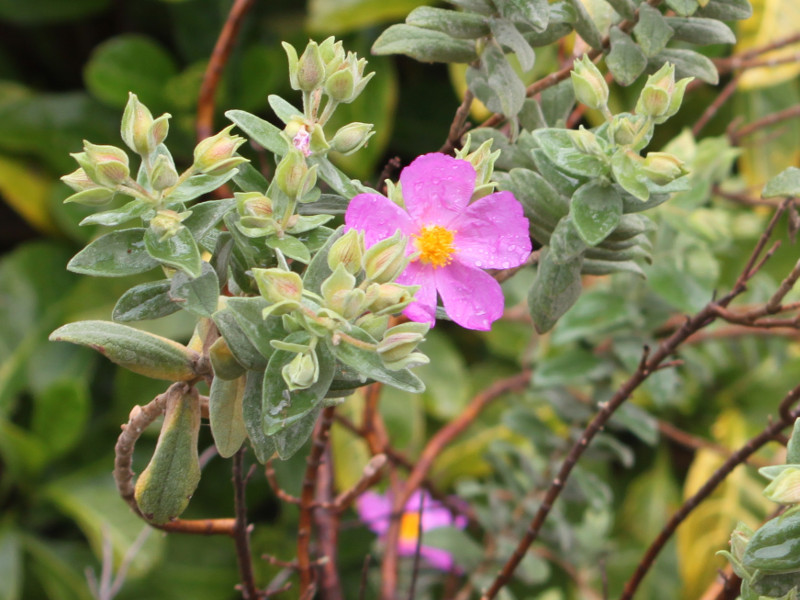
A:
(435, 245)
(409, 527)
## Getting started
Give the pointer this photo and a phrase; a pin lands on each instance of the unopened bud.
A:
(374, 325)
(97, 196)
(351, 138)
(310, 68)
(302, 371)
(389, 298)
(629, 130)
(589, 84)
(336, 283)
(384, 261)
(163, 174)
(482, 160)
(79, 181)
(293, 176)
(215, 155)
(661, 96)
(585, 141)
(340, 85)
(105, 165)
(399, 342)
(139, 131)
(347, 251)
(167, 223)
(283, 289)
(332, 53)
(662, 167)
(785, 488)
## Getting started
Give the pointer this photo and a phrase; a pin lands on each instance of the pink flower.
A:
(451, 240)
(375, 510)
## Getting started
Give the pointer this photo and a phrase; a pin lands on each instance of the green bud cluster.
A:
(662, 96)
(482, 159)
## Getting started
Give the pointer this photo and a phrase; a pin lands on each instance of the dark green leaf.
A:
(369, 364)
(129, 63)
(340, 182)
(198, 295)
(263, 446)
(565, 184)
(197, 185)
(785, 183)
(243, 349)
(262, 132)
(136, 350)
(537, 196)
(290, 439)
(701, 31)
(585, 26)
(570, 368)
(593, 266)
(727, 10)
(566, 244)
(206, 215)
(260, 331)
(328, 204)
(557, 102)
(652, 31)
(225, 414)
(459, 25)
(424, 45)
(554, 291)
(688, 63)
(61, 412)
(179, 251)
(249, 179)
(495, 83)
(626, 61)
(116, 254)
(596, 209)
(145, 301)
(775, 546)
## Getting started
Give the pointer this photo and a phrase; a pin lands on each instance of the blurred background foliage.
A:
(65, 72)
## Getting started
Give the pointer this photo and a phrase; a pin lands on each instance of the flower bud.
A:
(310, 68)
(163, 174)
(389, 298)
(351, 138)
(399, 342)
(347, 251)
(630, 130)
(384, 261)
(255, 214)
(661, 97)
(338, 282)
(139, 131)
(589, 84)
(79, 181)
(302, 372)
(662, 167)
(167, 223)
(283, 289)
(585, 141)
(105, 165)
(785, 488)
(332, 53)
(373, 324)
(215, 155)
(97, 196)
(482, 160)
(340, 85)
(293, 176)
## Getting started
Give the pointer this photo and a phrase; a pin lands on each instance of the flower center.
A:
(435, 245)
(409, 527)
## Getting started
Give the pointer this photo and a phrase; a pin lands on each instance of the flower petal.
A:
(436, 188)
(472, 298)
(439, 559)
(423, 309)
(374, 510)
(492, 233)
(378, 217)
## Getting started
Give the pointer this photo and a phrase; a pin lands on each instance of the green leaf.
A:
(145, 301)
(557, 102)
(554, 291)
(596, 209)
(684, 8)
(424, 45)
(61, 412)
(626, 8)
(138, 351)
(369, 364)
(626, 61)
(775, 546)
(538, 196)
(566, 244)
(727, 10)
(459, 25)
(60, 579)
(48, 11)
(318, 269)
(118, 216)
(10, 564)
(573, 367)
(688, 63)
(534, 13)
(225, 414)
(164, 488)
(263, 446)
(264, 133)
(207, 215)
(199, 295)
(283, 109)
(785, 183)
(249, 179)
(653, 31)
(564, 183)
(596, 313)
(628, 176)
(260, 331)
(340, 182)
(559, 149)
(179, 251)
(290, 439)
(116, 254)
(282, 408)
(793, 447)
(129, 63)
(495, 83)
(701, 31)
(197, 185)
(243, 349)
(585, 26)
(290, 246)
(509, 36)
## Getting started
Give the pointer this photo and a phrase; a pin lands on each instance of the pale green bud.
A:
(785, 488)
(384, 261)
(661, 97)
(629, 130)
(163, 174)
(139, 131)
(585, 141)
(375, 325)
(348, 80)
(389, 298)
(739, 539)
(255, 214)
(332, 53)
(399, 342)
(105, 165)
(662, 167)
(310, 68)
(347, 251)
(589, 84)
(293, 176)
(215, 155)
(302, 371)
(351, 138)
(482, 159)
(167, 223)
(291, 54)
(337, 283)
(97, 196)
(79, 181)
(283, 289)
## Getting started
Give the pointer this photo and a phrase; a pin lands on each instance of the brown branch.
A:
(714, 107)
(737, 458)
(327, 523)
(737, 61)
(432, 449)
(272, 479)
(735, 136)
(458, 127)
(241, 534)
(318, 442)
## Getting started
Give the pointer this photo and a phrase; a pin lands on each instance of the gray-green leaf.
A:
(116, 254)
(424, 45)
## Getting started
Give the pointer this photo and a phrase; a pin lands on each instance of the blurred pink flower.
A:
(375, 510)
(451, 239)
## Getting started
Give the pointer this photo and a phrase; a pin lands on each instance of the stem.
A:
(242, 531)
(327, 522)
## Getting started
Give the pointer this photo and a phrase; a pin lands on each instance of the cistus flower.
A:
(375, 511)
(451, 240)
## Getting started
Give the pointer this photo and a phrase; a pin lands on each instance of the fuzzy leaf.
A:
(653, 30)
(263, 446)
(260, 331)
(197, 185)
(459, 25)
(684, 8)
(179, 251)
(785, 183)
(559, 149)
(225, 414)
(596, 209)
(145, 301)
(534, 13)
(199, 295)
(626, 60)
(116, 254)
(585, 26)
(495, 83)
(554, 291)
(727, 10)
(424, 45)
(689, 63)
(118, 216)
(264, 133)
(243, 349)
(701, 31)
